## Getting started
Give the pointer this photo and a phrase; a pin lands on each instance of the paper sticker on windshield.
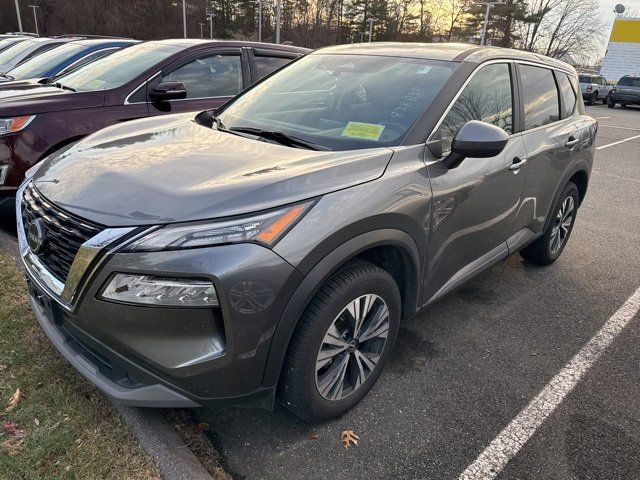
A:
(363, 131)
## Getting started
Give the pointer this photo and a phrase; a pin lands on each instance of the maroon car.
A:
(152, 78)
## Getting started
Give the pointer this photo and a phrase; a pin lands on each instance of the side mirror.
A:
(168, 91)
(476, 139)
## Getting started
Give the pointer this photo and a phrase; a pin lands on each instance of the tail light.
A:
(589, 88)
(614, 90)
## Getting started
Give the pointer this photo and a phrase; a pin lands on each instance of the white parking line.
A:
(601, 118)
(509, 442)
(618, 126)
(617, 143)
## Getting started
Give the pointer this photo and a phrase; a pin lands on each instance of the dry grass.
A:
(65, 428)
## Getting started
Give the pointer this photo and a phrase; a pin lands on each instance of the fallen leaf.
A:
(13, 445)
(202, 426)
(313, 436)
(12, 429)
(37, 422)
(348, 437)
(13, 403)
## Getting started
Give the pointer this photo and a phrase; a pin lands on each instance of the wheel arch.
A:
(59, 145)
(579, 174)
(392, 250)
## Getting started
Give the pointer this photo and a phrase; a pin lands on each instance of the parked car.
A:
(61, 60)
(7, 41)
(21, 52)
(152, 78)
(277, 245)
(626, 92)
(594, 88)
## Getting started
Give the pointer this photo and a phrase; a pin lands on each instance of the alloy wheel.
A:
(560, 230)
(352, 347)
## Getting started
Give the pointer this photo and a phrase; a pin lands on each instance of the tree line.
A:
(551, 27)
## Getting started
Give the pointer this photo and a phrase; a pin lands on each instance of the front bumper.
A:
(167, 356)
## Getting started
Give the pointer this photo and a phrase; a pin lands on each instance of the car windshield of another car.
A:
(13, 51)
(118, 68)
(341, 102)
(40, 64)
(629, 82)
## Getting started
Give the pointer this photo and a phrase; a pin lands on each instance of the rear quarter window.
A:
(569, 98)
(540, 96)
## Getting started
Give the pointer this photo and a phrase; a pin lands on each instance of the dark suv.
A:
(626, 92)
(152, 78)
(277, 245)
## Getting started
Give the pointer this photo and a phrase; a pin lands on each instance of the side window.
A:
(568, 94)
(265, 65)
(210, 76)
(540, 95)
(487, 97)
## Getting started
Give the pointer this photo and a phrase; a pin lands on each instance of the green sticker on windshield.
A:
(363, 131)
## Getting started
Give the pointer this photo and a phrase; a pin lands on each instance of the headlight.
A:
(266, 228)
(14, 124)
(163, 291)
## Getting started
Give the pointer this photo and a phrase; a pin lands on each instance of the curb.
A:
(148, 426)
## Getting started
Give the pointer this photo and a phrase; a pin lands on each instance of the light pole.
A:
(371, 20)
(35, 18)
(18, 14)
(278, 9)
(210, 18)
(201, 34)
(184, 18)
(259, 20)
(489, 4)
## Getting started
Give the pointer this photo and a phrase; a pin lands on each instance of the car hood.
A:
(170, 169)
(22, 84)
(32, 99)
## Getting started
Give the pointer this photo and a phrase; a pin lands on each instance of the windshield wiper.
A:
(280, 137)
(4, 75)
(63, 87)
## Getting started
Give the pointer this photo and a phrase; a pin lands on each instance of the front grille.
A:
(64, 233)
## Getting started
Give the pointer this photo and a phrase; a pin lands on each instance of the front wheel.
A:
(611, 103)
(546, 249)
(342, 343)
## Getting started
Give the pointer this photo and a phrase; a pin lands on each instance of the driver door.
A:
(474, 204)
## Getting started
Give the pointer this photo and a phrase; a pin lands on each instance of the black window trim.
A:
(268, 52)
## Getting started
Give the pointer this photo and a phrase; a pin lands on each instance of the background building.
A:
(623, 52)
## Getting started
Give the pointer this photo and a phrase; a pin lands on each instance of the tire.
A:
(611, 103)
(592, 99)
(623, 105)
(547, 248)
(301, 384)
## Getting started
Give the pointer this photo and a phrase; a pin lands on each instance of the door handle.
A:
(517, 164)
(572, 142)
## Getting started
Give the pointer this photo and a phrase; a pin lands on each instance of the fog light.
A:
(162, 291)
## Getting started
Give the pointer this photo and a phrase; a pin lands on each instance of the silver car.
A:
(594, 88)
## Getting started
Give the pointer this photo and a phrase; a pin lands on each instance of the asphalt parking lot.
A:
(466, 367)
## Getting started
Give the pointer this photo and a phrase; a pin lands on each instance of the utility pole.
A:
(488, 4)
(35, 18)
(184, 17)
(259, 20)
(210, 18)
(201, 25)
(371, 20)
(278, 11)
(18, 14)
(362, 36)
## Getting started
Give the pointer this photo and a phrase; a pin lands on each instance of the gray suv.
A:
(275, 246)
(626, 92)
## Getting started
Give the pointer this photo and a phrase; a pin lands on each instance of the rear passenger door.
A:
(212, 78)
(265, 61)
(553, 134)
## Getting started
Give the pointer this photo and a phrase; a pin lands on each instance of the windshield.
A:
(342, 102)
(7, 42)
(629, 82)
(41, 64)
(13, 51)
(118, 68)
(584, 79)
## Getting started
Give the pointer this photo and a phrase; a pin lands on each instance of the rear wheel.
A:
(342, 343)
(546, 249)
(592, 99)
